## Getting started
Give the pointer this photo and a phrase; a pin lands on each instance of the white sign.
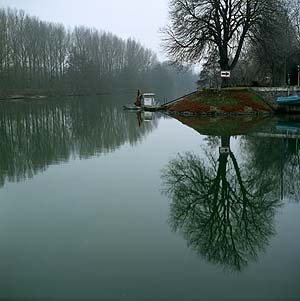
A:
(225, 73)
(224, 150)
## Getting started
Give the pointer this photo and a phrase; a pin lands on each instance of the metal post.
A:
(298, 67)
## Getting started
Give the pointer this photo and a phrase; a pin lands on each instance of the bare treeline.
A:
(47, 57)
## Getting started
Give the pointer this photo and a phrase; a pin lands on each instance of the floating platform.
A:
(152, 108)
(132, 108)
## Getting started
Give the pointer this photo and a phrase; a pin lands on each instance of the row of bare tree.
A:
(41, 56)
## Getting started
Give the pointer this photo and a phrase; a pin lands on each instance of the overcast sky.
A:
(140, 19)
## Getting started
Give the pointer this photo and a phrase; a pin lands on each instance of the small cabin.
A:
(148, 99)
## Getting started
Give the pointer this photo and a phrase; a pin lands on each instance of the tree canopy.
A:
(198, 26)
(259, 39)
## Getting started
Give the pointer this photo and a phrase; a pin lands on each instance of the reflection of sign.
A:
(225, 74)
(224, 150)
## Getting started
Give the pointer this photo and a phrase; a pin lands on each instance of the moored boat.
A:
(289, 100)
(148, 103)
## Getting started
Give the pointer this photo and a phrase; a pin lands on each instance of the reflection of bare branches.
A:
(292, 182)
(291, 171)
(279, 159)
(212, 141)
(225, 218)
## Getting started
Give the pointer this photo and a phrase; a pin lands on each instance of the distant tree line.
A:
(258, 40)
(42, 56)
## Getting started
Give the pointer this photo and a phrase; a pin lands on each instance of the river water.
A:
(97, 202)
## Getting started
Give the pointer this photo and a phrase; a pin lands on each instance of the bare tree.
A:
(198, 26)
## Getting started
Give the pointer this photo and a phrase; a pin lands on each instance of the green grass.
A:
(225, 97)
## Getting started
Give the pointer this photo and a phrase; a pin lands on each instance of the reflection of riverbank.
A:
(224, 125)
(35, 135)
(271, 143)
(242, 125)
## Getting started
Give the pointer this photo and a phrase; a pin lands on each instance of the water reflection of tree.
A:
(36, 135)
(225, 213)
(278, 158)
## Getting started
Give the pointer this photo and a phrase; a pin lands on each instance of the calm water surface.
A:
(96, 202)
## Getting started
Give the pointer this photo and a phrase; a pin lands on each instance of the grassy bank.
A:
(225, 101)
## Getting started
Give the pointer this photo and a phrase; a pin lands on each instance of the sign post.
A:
(225, 75)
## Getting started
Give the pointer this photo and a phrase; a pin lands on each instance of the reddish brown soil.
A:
(188, 105)
(205, 101)
(244, 100)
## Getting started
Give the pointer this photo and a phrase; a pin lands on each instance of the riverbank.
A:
(230, 101)
(16, 97)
